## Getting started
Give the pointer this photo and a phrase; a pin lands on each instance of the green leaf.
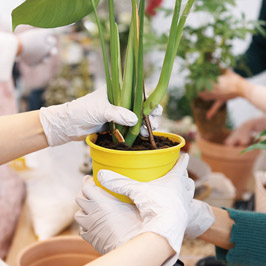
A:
(51, 13)
(260, 145)
(262, 134)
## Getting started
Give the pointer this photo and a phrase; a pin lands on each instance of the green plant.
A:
(259, 143)
(206, 48)
(124, 89)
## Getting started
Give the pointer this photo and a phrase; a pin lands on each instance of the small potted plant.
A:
(125, 87)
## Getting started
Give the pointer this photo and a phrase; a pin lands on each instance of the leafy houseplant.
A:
(125, 89)
(206, 51)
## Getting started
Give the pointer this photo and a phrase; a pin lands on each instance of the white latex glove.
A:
(161, 206)
(201, 219)
(75, 120)
(37, 45)
(8, 51)
(244, 135)
(154, 115)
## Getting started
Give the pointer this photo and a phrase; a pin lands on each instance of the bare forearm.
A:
(148, 249)
(255, 94)
(220, 232)
(20, 134)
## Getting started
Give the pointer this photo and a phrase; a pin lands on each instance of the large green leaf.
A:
(51, 13)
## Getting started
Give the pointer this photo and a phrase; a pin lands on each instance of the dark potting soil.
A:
(105, 140)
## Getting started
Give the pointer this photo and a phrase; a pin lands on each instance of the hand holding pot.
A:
(75, 120)
(161, 206)
(244, 135)
(201, 219)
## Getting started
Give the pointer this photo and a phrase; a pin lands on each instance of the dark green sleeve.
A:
(253, 61)
(249, 236)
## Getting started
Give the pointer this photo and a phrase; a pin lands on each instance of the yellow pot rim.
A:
(156, 133)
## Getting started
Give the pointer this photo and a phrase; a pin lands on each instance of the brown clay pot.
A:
(212, 129)
(58, 251)
(228, 160)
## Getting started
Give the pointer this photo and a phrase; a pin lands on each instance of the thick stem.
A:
(138, 101)
(148, 124)
(172, 46)
(105, 58)
(151, 137)
(115, 64)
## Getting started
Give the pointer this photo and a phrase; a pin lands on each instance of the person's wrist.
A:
(243, 87)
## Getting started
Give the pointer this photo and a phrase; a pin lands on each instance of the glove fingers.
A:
(158, 111)
(121, 116)
(82, 219)
(93, 192)
(117, 183)
(84, 204)
(154, 126)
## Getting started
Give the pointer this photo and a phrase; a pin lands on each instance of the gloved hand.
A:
(244, 135)
(161, 206)
(201, 219)
(153, 117)
(37, 45)
(8, 51)
(75, 120)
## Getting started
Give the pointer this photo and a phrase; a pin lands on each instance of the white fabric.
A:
(8, 51)
(53, 181)
(38, 44)
(161, 206)
(79, 118)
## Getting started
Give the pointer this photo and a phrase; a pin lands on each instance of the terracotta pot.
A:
(228, 160)
(212, 129)
(58, 251)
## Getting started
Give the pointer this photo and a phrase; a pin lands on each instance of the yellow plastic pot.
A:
(142, 166)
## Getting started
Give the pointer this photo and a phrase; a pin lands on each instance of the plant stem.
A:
(148, 125)
(106, 68)
(151, 137)
(105, 59)
(127, 87)
(138, 101)
(172, 46)
(128, 83)
(114, 45)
